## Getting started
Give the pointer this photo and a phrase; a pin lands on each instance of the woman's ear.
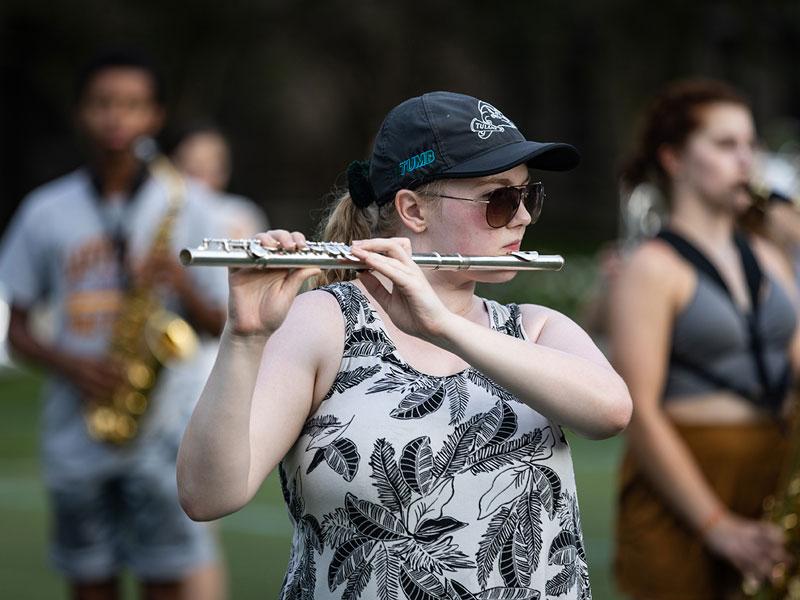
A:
(670, 159)
(412, 210)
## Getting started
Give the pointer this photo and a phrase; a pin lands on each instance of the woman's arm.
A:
(641, 320)
(563, 375)
(273, 363)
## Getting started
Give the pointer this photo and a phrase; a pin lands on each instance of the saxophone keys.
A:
(140, 375)
(124, 428)
(789, 522)
(135, 403)
(101, 422)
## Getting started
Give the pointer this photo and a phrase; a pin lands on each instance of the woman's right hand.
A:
(259, 299)
(753, 547)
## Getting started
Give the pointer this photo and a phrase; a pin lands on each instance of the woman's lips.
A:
(514, 247)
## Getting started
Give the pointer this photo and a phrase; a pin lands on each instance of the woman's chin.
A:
(500, 276)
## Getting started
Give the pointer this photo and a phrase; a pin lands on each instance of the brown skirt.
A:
(659, 557)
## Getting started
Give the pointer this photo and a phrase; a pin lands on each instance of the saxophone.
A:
(783, 509)
(145, 336)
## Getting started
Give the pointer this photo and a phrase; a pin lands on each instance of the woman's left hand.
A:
(412, 304)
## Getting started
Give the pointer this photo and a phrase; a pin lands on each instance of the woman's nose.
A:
(746, 157)
(521, 217)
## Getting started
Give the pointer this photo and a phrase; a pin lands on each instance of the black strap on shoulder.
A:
(752, 271)
(754, 276)
(772, 393)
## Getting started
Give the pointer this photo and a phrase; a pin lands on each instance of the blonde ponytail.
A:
(346, 222)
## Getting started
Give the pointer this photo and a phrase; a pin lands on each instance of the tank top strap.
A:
(355, 307)
(506, 318)
(365, 332)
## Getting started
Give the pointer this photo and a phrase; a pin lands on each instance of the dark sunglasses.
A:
(502, 203)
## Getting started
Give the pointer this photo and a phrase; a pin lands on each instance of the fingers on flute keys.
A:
(281, 238)
(386, 254)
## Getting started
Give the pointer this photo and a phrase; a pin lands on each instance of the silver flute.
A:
(335, 255)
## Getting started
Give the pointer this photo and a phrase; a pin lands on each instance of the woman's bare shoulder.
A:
(653, 257)
(653, 268)
(314, 322)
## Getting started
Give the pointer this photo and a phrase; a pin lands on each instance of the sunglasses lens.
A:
(534, 201)
(504, 203)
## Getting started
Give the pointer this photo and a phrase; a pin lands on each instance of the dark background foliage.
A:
(301, 86)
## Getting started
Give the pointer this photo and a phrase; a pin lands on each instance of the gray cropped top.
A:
(713, 345)
(711, 332)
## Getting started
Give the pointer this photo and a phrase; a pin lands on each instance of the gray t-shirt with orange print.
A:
(59, 248)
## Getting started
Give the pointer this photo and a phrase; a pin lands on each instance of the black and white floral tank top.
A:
(405, 485)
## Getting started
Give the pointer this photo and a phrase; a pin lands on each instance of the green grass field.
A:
(255, 540)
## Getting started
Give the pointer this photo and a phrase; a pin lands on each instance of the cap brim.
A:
(536, 155)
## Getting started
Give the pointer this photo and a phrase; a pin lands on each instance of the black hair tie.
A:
(358, 183)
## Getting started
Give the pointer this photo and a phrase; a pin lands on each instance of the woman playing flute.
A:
(417, 427)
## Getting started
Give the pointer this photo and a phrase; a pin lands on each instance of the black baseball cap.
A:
(442, 135)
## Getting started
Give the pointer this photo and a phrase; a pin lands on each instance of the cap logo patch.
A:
(490, 120)
(416, 162)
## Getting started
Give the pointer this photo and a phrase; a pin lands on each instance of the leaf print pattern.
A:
(368, 342)
(339, 452)
(393, 491)
(498, 425)
(566, 550)
(425, 550)
(456, 591)
(316, 425)
(424, 394)
(357, 581)
(463, 496)
(501, 529)
(420, 403)
(373, 520)
(356, 312)
(511, 323)
(455, 452)
(346, 559)
(416, 464)
(455, 389)
(495, 456)
(526, 489)
(302, 573)
(342, 456)
(402, 380)
(490, 386)
(548, 488)
(350, 379)
(388, 571)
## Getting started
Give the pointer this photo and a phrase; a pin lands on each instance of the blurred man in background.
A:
(83, 242)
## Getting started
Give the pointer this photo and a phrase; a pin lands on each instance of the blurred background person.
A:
(703, 330)
(203, 153)
(84, 241)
